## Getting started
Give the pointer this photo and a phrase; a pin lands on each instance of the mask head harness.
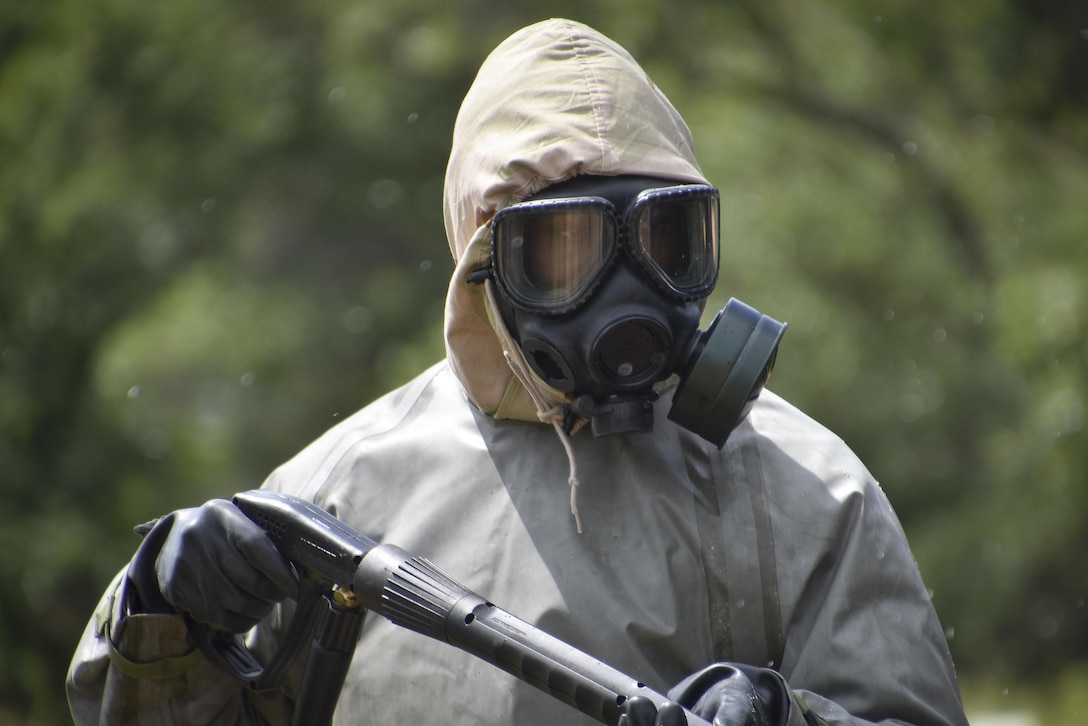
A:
(602, 282)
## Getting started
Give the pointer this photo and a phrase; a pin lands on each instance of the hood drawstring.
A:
(545, 410)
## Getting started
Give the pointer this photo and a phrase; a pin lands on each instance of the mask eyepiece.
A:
(550, 254)
(672, 234)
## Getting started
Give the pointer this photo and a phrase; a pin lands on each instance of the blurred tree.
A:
(204, 258)
(220, 230)
(908, 182)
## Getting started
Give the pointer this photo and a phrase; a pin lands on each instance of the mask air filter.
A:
(727, 368)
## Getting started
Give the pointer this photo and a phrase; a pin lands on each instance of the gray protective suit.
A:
(777, 550)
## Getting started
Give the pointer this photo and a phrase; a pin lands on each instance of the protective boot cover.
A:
(777, 550)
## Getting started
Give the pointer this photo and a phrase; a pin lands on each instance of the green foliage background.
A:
(220, 231)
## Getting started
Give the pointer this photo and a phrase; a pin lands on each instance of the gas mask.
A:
(602, 283)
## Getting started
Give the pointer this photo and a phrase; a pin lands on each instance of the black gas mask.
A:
(602, 282)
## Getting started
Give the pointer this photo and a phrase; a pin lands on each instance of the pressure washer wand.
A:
(413, 593)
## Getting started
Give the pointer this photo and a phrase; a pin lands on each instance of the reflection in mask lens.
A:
(558, 251)
(678, 237)
(551, 257)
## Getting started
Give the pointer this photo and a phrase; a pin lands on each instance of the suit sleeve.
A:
(145, 669)
(864, 645)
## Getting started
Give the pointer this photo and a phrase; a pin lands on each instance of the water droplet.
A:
(384, 193)
(1048, 627)
(983, 123)
(357, 320)
(154, 443)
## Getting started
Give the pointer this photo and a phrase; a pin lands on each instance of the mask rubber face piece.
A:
(623, 340)
(590, 297)
(605, 304)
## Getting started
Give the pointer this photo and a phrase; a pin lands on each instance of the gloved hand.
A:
(726, 694)
(212, 563)
(639, 711)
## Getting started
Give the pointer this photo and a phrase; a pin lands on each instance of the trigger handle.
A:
(229, 653)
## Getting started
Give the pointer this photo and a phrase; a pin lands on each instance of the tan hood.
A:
(554, 100)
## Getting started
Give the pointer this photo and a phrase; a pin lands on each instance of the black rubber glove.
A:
(732, 694)
(212, 563)
(639, 711)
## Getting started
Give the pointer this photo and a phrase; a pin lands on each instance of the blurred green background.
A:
(220, 232)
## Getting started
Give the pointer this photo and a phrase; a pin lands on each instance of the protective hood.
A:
(555, 100)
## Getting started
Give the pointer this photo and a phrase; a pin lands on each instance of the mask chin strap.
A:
(545, 410)
(726, 371)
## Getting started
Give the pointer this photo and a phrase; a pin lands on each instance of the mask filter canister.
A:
(727, 368)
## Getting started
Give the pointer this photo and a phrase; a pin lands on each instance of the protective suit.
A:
(777, 550)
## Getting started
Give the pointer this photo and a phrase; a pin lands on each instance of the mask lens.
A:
(549, 254)
(675, 237)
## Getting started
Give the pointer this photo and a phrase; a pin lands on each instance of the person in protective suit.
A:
(584, 455)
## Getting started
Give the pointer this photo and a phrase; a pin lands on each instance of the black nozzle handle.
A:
(328, 662)
(322, 549)
(306, 535)
(413, 593)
